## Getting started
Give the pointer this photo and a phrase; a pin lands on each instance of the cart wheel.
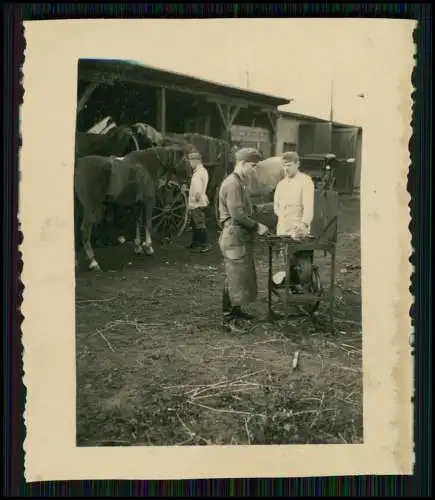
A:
(315, 288)
(171, 213)
(316, 284)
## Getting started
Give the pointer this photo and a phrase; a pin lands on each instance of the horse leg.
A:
(117, 223)
(86, 236)
(139, 222)
(148, 244)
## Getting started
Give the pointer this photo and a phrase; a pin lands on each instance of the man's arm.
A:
(205, 181)
(276, 198)
(235, 207)
(308, 202)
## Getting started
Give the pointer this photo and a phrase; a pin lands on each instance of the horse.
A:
(118, 141)
(131, 181)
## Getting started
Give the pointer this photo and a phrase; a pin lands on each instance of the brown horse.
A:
(118, 141)
(131, 181)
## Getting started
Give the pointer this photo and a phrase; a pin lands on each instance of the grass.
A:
(155, 368)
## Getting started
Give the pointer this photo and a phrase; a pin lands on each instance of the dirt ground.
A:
(155, 368)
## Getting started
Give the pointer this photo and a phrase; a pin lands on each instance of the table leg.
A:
(332, 289)
(287, 281)
(269, 290)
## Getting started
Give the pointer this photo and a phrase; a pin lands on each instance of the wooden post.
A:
(228, 116)
(207, 126)
(161, 112)
(274, 127)
(85, 96)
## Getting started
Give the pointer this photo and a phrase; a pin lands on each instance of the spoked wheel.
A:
(171, 212)
(315, 288)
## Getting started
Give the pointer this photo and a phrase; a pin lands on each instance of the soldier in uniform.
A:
(237, 238)
(198, 202)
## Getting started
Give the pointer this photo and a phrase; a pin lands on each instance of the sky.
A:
(291, 58)
(296, 59)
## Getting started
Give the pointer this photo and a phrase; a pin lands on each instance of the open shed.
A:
(171, 102)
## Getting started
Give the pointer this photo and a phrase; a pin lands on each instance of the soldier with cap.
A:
(294, 207)
(237, 238)
(198, 201)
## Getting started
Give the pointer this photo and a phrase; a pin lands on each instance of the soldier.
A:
(198, 202)
(237, 239)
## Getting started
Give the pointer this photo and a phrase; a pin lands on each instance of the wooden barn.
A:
(131, 92)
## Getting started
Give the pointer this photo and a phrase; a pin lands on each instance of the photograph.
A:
(217, 283)
(218, 290)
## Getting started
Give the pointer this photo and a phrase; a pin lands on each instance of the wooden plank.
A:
(233, 116)
(161, 106)
(222, 114)
(232, 101)
(272, 120)
(270, 109)
(299, 299)
(326, 207)
(211, 97)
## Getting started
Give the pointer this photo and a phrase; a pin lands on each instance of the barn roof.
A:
(308, 118)
(135, 72)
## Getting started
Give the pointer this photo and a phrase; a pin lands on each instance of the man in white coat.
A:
(198, 202)
(294, 207)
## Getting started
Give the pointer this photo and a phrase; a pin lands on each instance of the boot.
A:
(226, 301)
(230, 325)
(195, 239)
(238, 313)
(203, 240)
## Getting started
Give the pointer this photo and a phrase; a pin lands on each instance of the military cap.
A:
(248, 155)
(290, 157)
(194, 155)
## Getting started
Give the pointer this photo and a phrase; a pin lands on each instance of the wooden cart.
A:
(216, 156)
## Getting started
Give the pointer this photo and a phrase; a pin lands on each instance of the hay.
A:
(278, 404)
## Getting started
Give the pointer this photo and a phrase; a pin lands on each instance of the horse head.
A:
(179, 164)
(147, 136)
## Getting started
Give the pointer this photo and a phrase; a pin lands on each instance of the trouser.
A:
(199, 228)
(240, 286)
(227, 307)
(230, 311)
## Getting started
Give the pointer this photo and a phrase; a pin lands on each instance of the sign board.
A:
(242, 133)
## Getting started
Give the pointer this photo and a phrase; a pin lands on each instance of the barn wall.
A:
(288, 134)
(251, 129)
(128, 103)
